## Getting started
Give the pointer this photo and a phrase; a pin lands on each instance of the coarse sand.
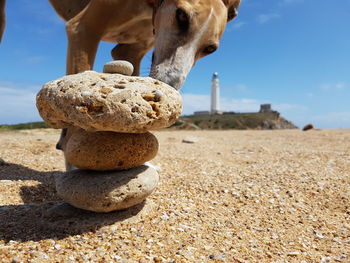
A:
(232, 196)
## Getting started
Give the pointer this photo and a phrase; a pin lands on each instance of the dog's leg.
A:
(132, 53)
(69, 166)
(82, 48)
(62, 143)
(84, 32)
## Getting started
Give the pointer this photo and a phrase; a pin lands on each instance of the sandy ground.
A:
(233, 196)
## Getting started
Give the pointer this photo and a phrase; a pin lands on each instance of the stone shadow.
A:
(43, 215)
(44, 191)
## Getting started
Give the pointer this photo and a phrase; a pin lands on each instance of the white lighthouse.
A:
(215, 94)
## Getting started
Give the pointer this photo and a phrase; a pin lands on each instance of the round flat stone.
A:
(107, 191)
(109, 150)
(119, 66)
(109, 102)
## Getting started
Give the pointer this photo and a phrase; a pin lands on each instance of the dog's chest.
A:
(136, 32)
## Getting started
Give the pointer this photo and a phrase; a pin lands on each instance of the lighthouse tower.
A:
(215, 94)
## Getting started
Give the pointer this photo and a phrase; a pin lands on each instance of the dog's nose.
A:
(58, 146)
(176, 84)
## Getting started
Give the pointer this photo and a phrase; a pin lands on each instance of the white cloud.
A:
(200, 102)
(333, 120)
(240, 105)
(241, 87)
(17, 103)
(335, 86)
(264, 18)
(195, 102)
(235, 25)
(33, 60)
(284, 107)
(291, 1)
(303, 116)
(238, 25)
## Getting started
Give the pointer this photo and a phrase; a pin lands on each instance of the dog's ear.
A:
(2, 18)
(232, 8)
(152, 2)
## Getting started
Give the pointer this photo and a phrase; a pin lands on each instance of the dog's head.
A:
(185, 31)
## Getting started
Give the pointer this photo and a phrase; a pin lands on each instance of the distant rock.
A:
(190, 140)
(308, 127)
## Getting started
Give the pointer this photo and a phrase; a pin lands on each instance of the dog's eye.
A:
(232, 13)
(182, 19)
(210, 49)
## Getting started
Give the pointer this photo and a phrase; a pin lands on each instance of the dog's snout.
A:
(61, 140)
(176, 84)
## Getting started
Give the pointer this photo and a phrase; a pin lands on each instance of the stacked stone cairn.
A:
(107, 118)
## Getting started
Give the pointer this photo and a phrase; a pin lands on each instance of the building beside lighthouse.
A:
(215, 94)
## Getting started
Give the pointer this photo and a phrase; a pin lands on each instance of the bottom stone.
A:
(107, 191)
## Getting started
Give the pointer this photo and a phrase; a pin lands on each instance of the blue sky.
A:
(294, 54)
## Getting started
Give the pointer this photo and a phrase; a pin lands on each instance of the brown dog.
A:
(185, 30)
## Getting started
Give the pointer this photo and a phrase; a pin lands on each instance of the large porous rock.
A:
(107, 191)
(109, 150)
(109, 102)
